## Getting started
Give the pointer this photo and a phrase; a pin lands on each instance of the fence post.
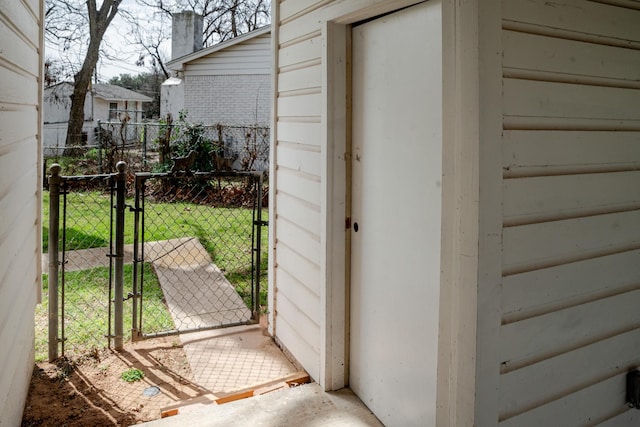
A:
(121, 182)
(259, 223)
(54, 265)
(99, 136)
(144, 144)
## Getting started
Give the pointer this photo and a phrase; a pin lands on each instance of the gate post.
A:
(54, 265)
(121, 182)
(259, 223)
(99, 137)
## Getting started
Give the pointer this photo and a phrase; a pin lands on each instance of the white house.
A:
(104, 102)
(229, 82)
(455, 208)
(21, 68)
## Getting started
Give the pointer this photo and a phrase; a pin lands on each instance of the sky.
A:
(117, 42)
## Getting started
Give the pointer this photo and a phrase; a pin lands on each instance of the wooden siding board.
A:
(530, 247)
(22, 20)
(296, 344)
(15, 230)
(22, 360)
(306, 326)
(628, 418)
(308, 50)
(304, 215)
(549, 289)
(303, 78)
(541, 53)
(293, 7)
(305, 26)
(17, 276)
(305, 300)
(306, 243)
(570, 156)
(307, 133)
(529, 98)
(576, 15)
(300, 268)
(20, 160)
(299, 157)
(15, 331)
(584, 407)
(16, 50)
(554, 378)
(551, 152)
(307, 105)
(302, 186)
(11, 201)
(540, 337)
(17, 87)
(529, 200)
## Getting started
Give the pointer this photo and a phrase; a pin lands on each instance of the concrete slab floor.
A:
(225, 360)
(305, 405)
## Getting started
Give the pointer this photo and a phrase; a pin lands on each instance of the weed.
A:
(132, 375)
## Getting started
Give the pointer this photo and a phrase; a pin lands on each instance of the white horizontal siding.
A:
(545, 290)
(529, 200)
(21, 73)
(552, 152)
(570, 212)
(249, 57)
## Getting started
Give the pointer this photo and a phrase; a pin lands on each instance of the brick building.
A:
(226, 83)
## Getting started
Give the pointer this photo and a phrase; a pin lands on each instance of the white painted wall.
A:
(540, 223)
(21, 40)
(570, 150)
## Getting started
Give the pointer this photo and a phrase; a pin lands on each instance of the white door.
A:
(396, 216)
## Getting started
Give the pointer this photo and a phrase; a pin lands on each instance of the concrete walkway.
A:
(197, 293)
(306, 405)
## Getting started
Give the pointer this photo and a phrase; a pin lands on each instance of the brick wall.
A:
(233, 99)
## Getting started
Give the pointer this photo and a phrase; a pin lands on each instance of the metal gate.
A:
(81, 251)
(197, 251)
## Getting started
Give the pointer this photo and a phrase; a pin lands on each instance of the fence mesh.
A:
(84, 243)
(194, 269)
(151, 146)
(198, 234)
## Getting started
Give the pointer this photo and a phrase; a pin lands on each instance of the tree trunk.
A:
(99, 21)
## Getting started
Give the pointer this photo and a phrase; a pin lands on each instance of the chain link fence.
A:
(150, 146)
(84, 276)
(192, 256)
(202, 236)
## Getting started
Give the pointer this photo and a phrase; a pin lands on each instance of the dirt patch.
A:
(91, 392)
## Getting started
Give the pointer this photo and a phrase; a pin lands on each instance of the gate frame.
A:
(137, 296)
(56, 308)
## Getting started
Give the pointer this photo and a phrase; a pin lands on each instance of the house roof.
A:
(104, 91)
(178, 63)
(117, 93)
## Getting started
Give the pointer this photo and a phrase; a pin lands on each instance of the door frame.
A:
(460, 208)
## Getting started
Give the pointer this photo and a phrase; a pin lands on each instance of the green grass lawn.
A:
(86, 310)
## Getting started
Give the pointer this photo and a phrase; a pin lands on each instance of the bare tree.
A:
(223, 19)
(66, 23)
(150, 37)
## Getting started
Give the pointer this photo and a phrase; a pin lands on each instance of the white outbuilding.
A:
(455, 208)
